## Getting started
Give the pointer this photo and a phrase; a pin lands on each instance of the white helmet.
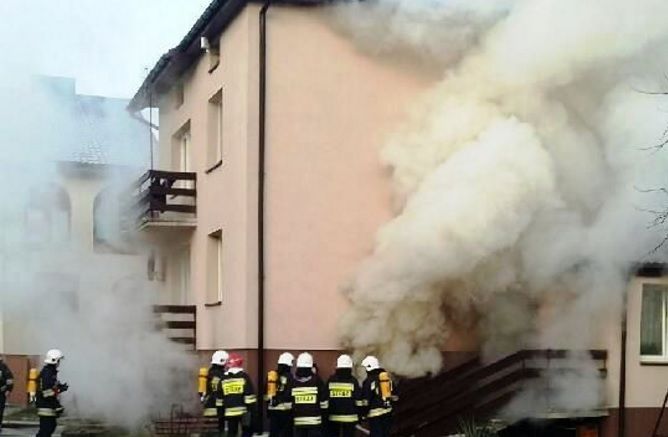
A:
(53, 356)
(370, 363)
(305, 361)
(286, 358)
(219, 357)
(344, 362)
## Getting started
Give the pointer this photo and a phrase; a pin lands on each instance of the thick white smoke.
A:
(59, 288)
(516, 176)
(420, 29)
(56, 291)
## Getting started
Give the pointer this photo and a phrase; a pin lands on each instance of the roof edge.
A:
(213, 22)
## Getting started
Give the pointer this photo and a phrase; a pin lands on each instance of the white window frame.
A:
(219, 128)
(220, 267)
(184, 276)
(214, 265)
(179, 95)
(215, 130)
(184, 152)
(662, 359)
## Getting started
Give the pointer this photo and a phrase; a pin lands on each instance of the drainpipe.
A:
(260, 200)
(621, 423)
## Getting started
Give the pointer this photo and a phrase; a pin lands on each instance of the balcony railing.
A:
(166, 196)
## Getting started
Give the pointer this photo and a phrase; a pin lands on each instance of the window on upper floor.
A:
(182, 153)
(653, 326)
(185, 160)
(181, 262)
(179, 95)
(214, 57)
(156, 266)
(48, 216)
(215, 130)
(214, 286)
(108, 233)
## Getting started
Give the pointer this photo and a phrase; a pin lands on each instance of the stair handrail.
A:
(658, 419)
(473, 385)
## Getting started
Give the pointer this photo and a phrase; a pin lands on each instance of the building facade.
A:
(304, 164)
(322, 146)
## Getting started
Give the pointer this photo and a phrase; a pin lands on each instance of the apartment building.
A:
(269, 190)
(314, 210)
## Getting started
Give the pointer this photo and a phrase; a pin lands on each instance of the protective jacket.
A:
(373, 403)
(238, 393)
(308, 399)
(48, 390)
(213, 397)
(344, 396)
(280, 403)
(6, 379)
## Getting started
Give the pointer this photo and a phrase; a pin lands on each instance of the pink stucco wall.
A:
(226, 198)
(330, 108)
(645, 382)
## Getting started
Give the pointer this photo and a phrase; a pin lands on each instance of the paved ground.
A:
(22, 432)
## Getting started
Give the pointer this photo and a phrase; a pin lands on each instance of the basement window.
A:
(653, 326)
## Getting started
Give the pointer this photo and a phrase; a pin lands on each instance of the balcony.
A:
(179, 322)
(166, 201)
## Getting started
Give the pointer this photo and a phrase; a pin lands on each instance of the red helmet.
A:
(235, 360)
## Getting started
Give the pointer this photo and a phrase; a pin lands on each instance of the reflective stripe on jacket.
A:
(308, 399)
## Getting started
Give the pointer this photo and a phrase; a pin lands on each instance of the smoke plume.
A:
(67, 283)
(64, 283)
(515, 176)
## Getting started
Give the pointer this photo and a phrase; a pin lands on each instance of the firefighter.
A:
(278, 408)
(345, 399)
(6, 386)
(377, 398)
(48, 391)
(308, 399)
(239, 398)
(212, 398)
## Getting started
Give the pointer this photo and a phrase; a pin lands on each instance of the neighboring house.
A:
(292, 185)
(62, 238)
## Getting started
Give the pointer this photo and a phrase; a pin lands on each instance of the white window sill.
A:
(654, 360)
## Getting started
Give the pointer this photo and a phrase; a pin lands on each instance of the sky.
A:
(107, 46)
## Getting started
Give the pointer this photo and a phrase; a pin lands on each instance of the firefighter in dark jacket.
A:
(278, 408)
(48, 391)
(345, 399)
(212, 398)
(308, 399)
(6, 386)
(377, 398)
(239, 400)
